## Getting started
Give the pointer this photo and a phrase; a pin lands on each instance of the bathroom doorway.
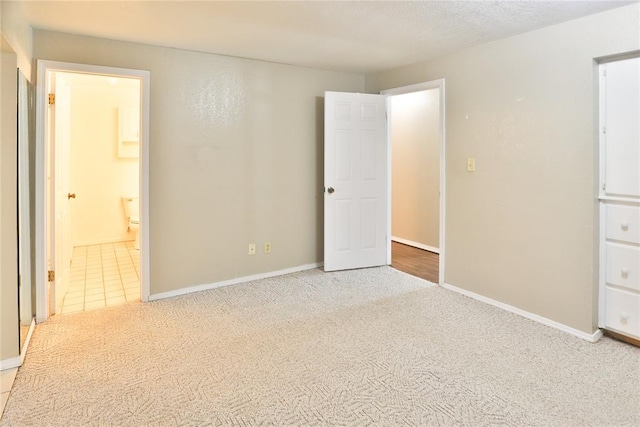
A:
(94, 135)
(103, 166)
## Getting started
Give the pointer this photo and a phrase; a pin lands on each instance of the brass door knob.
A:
(71, 196)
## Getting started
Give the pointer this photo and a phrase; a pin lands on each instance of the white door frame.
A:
(24, 234)
(42, 154)
(434, 84)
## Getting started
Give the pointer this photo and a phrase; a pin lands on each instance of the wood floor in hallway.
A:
(418, 262)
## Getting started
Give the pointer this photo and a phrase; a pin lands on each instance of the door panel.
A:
(622, 138)
(356, 181)
(62, 156)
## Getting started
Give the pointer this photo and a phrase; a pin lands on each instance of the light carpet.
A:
(364, 347)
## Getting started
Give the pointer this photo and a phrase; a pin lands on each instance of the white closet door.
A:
(622, 129)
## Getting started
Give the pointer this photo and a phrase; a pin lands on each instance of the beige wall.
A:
(415, 142)
(18, 33)
(521, 230)
(235, 157)
(9, 344)
(99, 177)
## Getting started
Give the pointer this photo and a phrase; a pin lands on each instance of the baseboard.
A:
(536, 318)
(207, 286)
(416, 244)
(16, 362)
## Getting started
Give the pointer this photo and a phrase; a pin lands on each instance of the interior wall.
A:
(415, 142)
(99, 177)
(9, 318)
(18, 33)
(522, 228)
(235, 157)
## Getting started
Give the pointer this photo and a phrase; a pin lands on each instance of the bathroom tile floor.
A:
(102, 276)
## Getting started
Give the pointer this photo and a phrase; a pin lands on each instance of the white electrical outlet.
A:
(267, 247)
(252, 248)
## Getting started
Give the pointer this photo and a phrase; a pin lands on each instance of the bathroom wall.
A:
(522, 229)
(415, 141)
(98, 175)
(235, 157)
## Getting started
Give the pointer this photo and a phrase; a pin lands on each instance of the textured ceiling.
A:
(352, 36)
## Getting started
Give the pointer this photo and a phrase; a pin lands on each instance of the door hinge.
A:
(604, 130)
(51, 276)
(52, 98)
(604, 71)
(604, 186)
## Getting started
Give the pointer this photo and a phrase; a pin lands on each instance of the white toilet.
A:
(132, 212)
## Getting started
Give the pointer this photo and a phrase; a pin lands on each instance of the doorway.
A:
(100, 161)
(92, 162)
(416, 135)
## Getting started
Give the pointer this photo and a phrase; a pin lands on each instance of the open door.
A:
(356, 193)
(59, 244)
(63, 195)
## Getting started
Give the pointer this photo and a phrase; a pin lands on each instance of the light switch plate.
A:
(471, 164)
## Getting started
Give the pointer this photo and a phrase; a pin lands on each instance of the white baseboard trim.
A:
(415, 244)
(536, 318)
(207, 286)
(16, 362)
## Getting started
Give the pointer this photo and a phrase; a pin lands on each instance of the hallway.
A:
(418, 262)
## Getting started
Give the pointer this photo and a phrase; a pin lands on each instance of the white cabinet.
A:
(623, 223)
(622, 314)
(620, 197)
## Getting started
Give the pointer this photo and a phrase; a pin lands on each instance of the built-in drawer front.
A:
(623, 311)
(623, 265)
(623, 223)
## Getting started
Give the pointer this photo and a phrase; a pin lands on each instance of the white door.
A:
(60, 231)
(622, 128)
(356, 191)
